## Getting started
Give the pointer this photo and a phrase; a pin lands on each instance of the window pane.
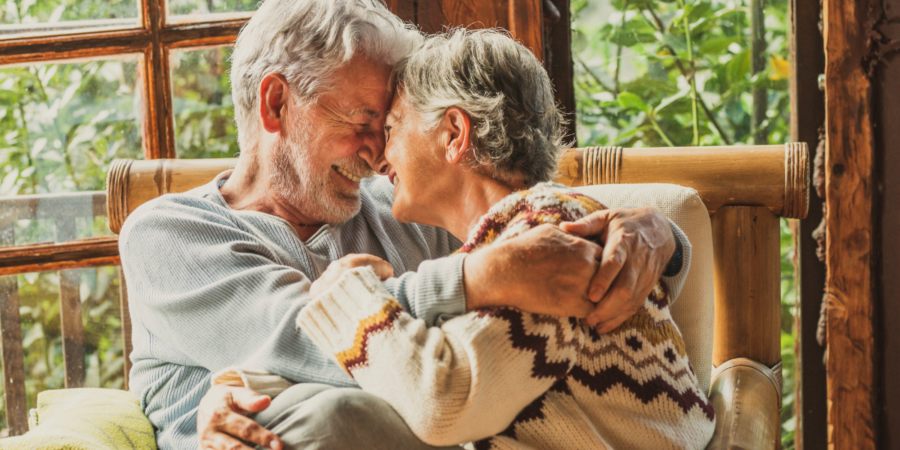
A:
(36, 17)
(635, 73)
(203, 7)
(201, 96)
(98, 289)
(61, 125)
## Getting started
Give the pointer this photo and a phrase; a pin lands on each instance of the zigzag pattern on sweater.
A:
(604, 380)
(522, 340)
(607, 365)
(357, 355)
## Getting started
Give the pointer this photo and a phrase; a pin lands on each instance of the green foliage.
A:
(211, 6)
(61, 125)
(49, 11)
(638, 49)
(677, 73)
(204, 112)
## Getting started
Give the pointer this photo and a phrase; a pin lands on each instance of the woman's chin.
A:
(400, 212)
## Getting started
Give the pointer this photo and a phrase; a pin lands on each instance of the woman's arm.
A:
(464, 381)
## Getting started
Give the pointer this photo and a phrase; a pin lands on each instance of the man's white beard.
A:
(315, 193)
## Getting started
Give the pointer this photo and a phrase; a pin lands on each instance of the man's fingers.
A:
(591, 225)
(612, 324)
(616, 301)
(248, 400)
(220, 441)
(382, 268)
(614, 255)
(248, 430)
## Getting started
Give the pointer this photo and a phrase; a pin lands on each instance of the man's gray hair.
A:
(306, 41)
(503, 88)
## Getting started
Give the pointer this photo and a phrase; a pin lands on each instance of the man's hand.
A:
(637, 246)
(383, 270)
(542, 271)
(221, 421)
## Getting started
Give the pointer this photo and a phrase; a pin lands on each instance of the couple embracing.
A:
(389, 265)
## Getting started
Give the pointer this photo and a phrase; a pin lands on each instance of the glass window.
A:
(201, 100)
(26, 18)
(42, 343)
(61, 125)
(642, 80)
(189, 10)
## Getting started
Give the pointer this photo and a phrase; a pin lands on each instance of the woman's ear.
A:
(273, 97)
(456, 127)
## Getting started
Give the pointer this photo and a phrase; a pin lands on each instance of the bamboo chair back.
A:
(746, 189)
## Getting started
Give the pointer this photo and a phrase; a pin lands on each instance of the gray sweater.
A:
(211, 287)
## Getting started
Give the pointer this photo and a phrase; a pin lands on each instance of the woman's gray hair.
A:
(306, 41)
(503, 88)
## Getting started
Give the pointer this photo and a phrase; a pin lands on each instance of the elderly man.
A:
(218, 275)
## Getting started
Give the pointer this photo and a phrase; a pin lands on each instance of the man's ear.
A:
(455, 131)
(273, 96)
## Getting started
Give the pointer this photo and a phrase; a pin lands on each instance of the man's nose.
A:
(373, 154)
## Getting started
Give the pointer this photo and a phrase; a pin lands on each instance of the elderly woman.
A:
(473, 138)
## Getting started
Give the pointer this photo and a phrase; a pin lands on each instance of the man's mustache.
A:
(355, 165)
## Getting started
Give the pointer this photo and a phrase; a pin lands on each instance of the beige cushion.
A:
(693, 309)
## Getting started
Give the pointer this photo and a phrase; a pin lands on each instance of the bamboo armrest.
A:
(773, 176)
(746, 396)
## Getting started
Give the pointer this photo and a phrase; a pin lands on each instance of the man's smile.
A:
(350, 176)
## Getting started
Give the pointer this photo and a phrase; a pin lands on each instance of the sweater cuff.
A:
(675, 282)
(436, 292)
(356, 302)
(263, 383)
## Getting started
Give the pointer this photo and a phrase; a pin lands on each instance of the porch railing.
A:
(64, 255)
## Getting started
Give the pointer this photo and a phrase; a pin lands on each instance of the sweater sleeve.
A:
(463, 381)
(675, 282)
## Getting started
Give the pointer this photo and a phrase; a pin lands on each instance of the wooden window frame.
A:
(154, 39)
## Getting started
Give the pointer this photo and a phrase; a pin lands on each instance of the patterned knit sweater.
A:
(505, 379)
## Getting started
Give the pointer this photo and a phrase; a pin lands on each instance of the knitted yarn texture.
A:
(501, 378)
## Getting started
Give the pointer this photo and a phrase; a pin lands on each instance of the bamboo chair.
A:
(745, 189)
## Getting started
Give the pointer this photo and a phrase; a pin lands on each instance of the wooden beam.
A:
(11, 341)
(71, 322)
(807, 115)
(849, 186)
(558, 61)
(747, 253)
(159, 126)
(127, 346)
(89, 252)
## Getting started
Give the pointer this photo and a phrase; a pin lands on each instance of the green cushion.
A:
(86, 419)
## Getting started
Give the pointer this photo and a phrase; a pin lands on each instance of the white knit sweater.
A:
(504, 379)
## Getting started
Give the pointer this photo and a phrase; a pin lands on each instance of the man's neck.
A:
(246, 190)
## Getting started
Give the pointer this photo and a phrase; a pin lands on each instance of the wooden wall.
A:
(886, 115)
(862, 40)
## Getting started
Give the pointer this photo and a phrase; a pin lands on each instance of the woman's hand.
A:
(221, 422)
(382, 268)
